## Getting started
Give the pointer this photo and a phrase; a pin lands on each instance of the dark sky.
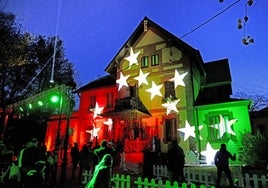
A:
(94, 30)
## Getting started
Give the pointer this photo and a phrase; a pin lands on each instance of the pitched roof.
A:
(108, 80)
(184, 47)
(218, 73)
(217, 85)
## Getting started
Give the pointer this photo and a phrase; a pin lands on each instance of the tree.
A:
(258, 101)
(26, 63)
(254, 150)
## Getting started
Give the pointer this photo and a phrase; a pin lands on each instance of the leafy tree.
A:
(26, 63)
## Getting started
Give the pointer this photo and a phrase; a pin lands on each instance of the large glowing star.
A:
(221, 126)
(132, 58)
(142, 78)
(209, 153)
(178, 79)
(155, 90)
(189, 130)
(122, 81)
(93, 132)
(171, 105)
(109, 123)
(97, 110)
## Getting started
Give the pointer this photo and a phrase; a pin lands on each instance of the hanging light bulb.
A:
(250, 2)
(245, 41)
(239, 24)
(245, 18)
(251, 40)
(220, 1)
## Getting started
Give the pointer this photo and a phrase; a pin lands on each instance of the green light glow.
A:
(55, 99)
(30, 106)
(40, 103)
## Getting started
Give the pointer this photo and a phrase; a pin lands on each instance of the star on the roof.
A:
(171, 105)
(188, 130)
(109, 123)
(221, 126)
(132, 58)
(142, 78)
(178, 78)
(209, 153)
(122, 81)
(155, 90)
(97, 110)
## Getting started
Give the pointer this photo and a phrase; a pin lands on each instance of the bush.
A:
(254, 150)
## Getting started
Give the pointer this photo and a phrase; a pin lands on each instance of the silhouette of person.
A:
(221, 160)
(175, 162)
(102, 173)
(75, 158)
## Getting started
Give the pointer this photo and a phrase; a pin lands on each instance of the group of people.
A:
(37, 167)
(176, 162)
(32, 166)
(101, 158)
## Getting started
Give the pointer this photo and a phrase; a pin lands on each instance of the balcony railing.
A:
(128, 103)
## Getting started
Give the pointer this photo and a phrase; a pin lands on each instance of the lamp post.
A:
(65, 146)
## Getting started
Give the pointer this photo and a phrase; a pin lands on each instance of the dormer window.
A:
(155, 60)
(144, 62)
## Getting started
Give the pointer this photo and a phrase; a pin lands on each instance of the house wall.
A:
(237, 111)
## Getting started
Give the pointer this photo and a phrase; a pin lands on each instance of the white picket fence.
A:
(209, 178)
(124, 181)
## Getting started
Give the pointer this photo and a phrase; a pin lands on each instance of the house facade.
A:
(158, 89)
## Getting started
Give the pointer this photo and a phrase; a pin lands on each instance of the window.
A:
(169, 89)
(218, 129)
(92, 101)
(170, 130)
(155, 60)
(109, 100)
(144, 62)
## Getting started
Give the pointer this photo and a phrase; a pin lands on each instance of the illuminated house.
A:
(159, 87)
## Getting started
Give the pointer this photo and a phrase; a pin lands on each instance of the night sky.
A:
(94, 31)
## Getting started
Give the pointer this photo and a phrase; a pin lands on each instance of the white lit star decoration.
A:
(142, 78)
(93, 132)
(132, 58)
(122, 81)
(189, 130)
(209, 153)
(171, 105)
(109, 123)
(178, 79)
(97, 110)
(155, 90)
(221, 126)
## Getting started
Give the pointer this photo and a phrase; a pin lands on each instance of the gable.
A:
(149, 38)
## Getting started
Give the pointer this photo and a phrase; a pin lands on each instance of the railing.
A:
(204, 177)
(125, 181)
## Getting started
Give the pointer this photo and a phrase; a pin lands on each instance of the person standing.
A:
(85, 160)
(102, 173)
(221, 160)
(176, 161)
(75, 158)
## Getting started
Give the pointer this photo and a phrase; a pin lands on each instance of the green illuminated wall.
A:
(232, 138)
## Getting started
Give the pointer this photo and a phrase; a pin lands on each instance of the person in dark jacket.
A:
(75, 158)
(221, 160)
(175, 162)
